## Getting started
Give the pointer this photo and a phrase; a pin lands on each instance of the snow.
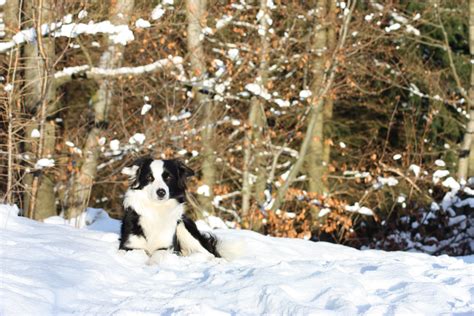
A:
(176, 61)
(381, 181)
(392, 27)
(44, 163)
(323, 212)
(137, 138)
(258, 90)
(204, 190)
(115, 144)
(304, 94)
(57, 270)
(146, 107)
(282, 103)
(35, 133)
(415, 169)
(119, 34)
(356, 208)
(8, 87)
(452, 184)
(233, 53)
(440, 163)
(157, 12)
(82, 14)
(141, 23)
(439, 174)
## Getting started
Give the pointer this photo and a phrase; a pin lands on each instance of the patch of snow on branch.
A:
(35, 133)
(44, 163)
(381, 181)
(439, 174)
(143, 24)
(137, 138)
(440, 163)
(356, 208)
(258, 90)
(175, 61)
(114, 144)
(204, 190)
(323, 212)
(145, 108)
(304, 94)
(119, 34)
(415, 169)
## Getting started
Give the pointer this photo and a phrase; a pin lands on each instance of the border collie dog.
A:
(154, 216)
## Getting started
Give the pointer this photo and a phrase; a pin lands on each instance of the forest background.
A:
(343, 121)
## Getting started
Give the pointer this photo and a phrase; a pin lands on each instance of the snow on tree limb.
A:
(68, 73)
(119, 34)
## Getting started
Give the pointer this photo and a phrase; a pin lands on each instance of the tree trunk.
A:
(40, 97)
(316, 165)
(82, 182)
(317, 102)
(195, 13)
(329, 102)
(11, 11)
(253, 143)
(466, 160)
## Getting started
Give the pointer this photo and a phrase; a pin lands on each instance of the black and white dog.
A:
(154, 216)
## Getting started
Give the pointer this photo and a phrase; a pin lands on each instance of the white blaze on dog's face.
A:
(160, 180)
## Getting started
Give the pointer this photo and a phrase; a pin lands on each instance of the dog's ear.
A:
(184, 170)
(133, 170)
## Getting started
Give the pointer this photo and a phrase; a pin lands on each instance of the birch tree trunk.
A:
(195, 13)
(466, 159)
(82, 182)
(253, 143)
(40, 101)
(316, 166)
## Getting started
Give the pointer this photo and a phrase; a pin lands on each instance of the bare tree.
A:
(253, 142)
(317, 102)
(11, 18)
(196, 15)
(40, 102)
(82, 182)
(315, 163)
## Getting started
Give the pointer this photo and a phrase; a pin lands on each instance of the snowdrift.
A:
(55, 269)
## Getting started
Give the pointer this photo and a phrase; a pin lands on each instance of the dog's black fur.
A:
(174, 174)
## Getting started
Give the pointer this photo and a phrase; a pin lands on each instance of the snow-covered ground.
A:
(54, 269)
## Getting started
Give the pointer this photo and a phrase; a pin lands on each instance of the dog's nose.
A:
(161, 193)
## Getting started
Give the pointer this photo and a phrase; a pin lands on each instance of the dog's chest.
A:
(159, 229)
(158, 223)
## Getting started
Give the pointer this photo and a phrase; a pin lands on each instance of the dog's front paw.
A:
(161, 257)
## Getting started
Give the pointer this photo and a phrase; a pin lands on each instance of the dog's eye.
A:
(166, 176)
(150, 178)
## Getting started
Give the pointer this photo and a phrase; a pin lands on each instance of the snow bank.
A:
(57, 269)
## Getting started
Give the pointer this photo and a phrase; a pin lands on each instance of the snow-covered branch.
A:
(69, 73)
(119, 34)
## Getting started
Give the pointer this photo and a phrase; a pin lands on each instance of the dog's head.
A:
(160, 180)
